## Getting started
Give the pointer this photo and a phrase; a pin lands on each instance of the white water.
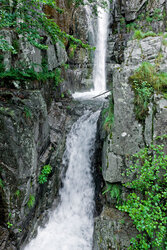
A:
(99, 71)
(99, 67)
(70, 226)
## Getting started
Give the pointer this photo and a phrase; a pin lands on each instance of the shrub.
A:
(147, 204)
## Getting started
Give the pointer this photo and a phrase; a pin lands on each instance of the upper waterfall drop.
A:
(98, 33)
(99, 71)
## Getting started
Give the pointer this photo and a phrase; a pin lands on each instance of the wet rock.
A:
(113, 230)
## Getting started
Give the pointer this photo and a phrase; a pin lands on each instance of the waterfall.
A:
(70, 226)
(99, 71)
(98, 32)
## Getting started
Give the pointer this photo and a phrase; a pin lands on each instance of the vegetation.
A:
(31, 201)
(144, 81)
(9, 224)
(1, 183)
(43, 177)
(108, 113)
(27, 73)
(138, 34)
(147, 204)
(114, 191)
(27, 20)
(17, 193)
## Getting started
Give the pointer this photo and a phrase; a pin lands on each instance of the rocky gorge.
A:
(36, 117)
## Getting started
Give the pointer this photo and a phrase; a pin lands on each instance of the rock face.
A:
(113, 230)
(34, 122)
(128, 135)
(30, 137)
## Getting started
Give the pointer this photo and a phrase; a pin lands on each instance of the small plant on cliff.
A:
(9, 224)
(141, 35)
(147, 204)
(43, 177)
(108, 113)
(1, 183)
(144, 81)
(17, 193)
(114, 191)
(31, 201)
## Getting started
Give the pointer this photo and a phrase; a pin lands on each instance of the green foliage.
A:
(144, 81)
(72, 49)
(24, 73)
(43, 177)
(28, 112)
(28, 19)
(9, 224)
(147, 204)
(31, 201)
(164, 42)
(114, 190)
(138, 34)
(122, 23)
(17, 193)
(143, 94)
(156, 16)
(57, 77)
(108, 113)
(5, 46)
(165, 35)
(132, 26)
(1, 183)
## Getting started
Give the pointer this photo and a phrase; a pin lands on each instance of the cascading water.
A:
(99, 65)
(99, 72)
(70, 226)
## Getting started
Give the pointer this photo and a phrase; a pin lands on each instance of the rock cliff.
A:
(113, 229)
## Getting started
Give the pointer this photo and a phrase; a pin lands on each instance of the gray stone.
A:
(113, 230)
(51, 55)
(132, 7)
(29, 54)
